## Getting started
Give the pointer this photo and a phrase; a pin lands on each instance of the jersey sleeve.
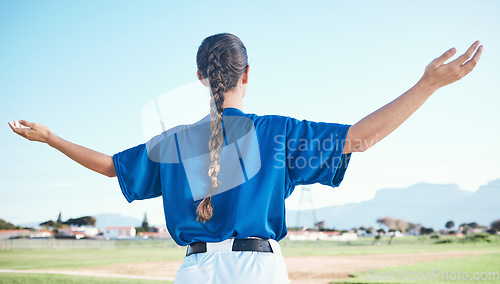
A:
(137, 174)
(314, 152)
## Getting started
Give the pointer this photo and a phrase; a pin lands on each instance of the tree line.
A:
(394, 224)
(390, 224)
(80, 221)
(59, 223)
(4, 225)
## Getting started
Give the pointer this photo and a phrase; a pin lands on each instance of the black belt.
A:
(238, 245)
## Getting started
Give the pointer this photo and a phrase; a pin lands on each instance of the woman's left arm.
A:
(377, 125)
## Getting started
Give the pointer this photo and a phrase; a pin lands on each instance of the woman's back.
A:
(262, 160)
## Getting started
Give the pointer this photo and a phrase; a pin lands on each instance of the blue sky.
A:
(86, 69)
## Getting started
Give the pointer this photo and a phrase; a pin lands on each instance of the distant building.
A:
(321, 235)
(364, 233)
(69, 235)
(42, 234)
(157, 232)
(119, 233)
(14, 234)
(85, 230)
(302, 235)
(477, 230)
(397, 234)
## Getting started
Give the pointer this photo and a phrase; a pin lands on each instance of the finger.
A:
(442, 59)
(12, 126)
(464, 57)
(20, 131)
(469, 65)
(18, 124)
(27, 123)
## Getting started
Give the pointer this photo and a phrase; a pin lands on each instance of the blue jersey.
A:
(262, 159)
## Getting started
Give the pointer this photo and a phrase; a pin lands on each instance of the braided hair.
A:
(222, 59)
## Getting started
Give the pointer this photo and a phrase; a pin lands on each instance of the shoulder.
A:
(272, 122)
(268, 118)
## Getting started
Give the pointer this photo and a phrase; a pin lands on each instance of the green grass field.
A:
(443, 271)
(366, 246)
(151, 251)
(35, 259)
(63, 279)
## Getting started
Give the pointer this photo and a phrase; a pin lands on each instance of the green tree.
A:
(496, 225)
(426, 231)
(145, 225)
(474, 225)
(4, 225)
(464, 228)
(450, 224)
(81, 221)
(49, 223)
(394, 224)
(59, 219)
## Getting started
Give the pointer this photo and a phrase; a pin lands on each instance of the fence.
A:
(55, 244)
(61, 244)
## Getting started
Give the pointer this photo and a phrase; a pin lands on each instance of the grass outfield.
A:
(129, 252)
(400, 245)
(151, 251)
(14, 278)
(446, 271)
(35, 259)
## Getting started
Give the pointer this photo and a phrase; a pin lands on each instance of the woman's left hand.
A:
(437, 74)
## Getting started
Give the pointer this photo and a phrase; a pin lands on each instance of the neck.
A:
(234, 100)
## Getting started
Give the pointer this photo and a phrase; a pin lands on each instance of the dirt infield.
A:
(301, 269)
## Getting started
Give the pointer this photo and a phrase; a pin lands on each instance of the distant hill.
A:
(30, 224)
(431, 205)
(115, 220)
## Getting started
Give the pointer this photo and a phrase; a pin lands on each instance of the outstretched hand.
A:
(31, 131)
(437, 74)
(377, 125)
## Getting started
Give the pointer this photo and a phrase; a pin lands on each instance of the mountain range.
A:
(430, 205)
(115, 220)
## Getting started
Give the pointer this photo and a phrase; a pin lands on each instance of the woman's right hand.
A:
(88, 158)
(32, 131)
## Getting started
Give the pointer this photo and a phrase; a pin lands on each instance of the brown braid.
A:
(205, 208)
(222, 59)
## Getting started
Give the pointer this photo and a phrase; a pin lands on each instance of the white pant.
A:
(221, 265)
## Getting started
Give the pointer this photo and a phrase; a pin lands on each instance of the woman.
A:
(232, 219)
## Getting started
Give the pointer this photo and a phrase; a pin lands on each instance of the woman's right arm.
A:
(86, 157)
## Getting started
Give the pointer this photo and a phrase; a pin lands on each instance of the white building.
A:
(42, 234)
(327, 236)
(8, 234)
(119, 233)
(324, 236)
(397, 234)
(84, 230)
(157, 232)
